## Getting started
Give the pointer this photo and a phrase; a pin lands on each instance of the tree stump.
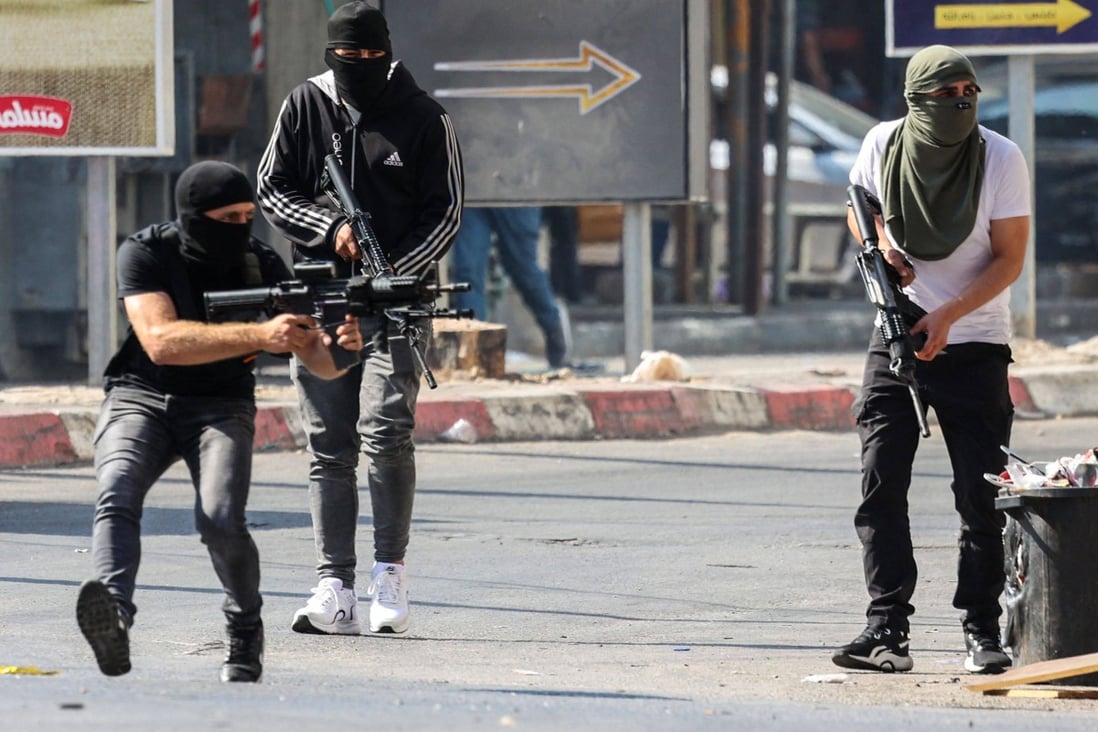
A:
(467, 349)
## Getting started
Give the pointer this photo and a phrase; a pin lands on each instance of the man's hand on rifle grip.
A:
(345, 244)
(350, 336)
(936, 325)
(900, 263)
(287, 333)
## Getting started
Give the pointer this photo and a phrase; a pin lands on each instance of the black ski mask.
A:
(358, 25)
(203, 187)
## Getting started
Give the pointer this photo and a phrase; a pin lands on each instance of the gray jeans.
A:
(370, 409)
(139, 435)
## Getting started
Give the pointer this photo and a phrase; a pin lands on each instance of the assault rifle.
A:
(316, 291)
(895, 312)
(338, 188)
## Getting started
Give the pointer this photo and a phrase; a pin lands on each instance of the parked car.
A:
(1065, 108)
(825, 135)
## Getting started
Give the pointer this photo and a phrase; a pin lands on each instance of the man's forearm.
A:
(318, 359)
(999, 275)
(189, 343)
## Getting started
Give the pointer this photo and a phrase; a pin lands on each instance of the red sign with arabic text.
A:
(32, 115)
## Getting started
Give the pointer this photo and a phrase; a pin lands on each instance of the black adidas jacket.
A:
(402, 159)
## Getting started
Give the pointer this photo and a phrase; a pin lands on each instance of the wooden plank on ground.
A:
(1046, 692)
(1035, 673)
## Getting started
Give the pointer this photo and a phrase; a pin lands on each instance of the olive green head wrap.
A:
(933, 165)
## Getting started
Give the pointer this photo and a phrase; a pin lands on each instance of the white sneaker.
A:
(389, 606)
(331, 609)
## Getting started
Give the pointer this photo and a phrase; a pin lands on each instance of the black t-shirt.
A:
(150, 261)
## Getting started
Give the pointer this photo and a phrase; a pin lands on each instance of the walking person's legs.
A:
(469, 261)
(564, 271)
(518, 230)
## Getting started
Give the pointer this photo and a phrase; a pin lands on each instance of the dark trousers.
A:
(967, 387)
(564, 271)
(139, 435)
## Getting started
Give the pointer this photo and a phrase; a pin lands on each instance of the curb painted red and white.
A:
(635, 411)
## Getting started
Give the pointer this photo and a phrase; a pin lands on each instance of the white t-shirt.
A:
(1004, 194)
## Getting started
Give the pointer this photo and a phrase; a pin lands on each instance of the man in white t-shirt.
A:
(956, 217)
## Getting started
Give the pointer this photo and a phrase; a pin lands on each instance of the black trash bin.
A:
(1051, 543)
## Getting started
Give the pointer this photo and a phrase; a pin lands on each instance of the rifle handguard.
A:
(343, 196)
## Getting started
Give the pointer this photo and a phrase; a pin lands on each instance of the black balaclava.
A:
(203, 187)
(359, 25)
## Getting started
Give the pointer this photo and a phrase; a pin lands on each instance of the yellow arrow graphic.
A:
(589, 55)
(1063, 14)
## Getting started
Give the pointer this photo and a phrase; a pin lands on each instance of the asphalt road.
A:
(683, 584)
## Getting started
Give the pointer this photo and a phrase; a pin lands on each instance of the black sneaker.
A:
(876, 649)
(244, 661)
(105, 627)
(985, 653)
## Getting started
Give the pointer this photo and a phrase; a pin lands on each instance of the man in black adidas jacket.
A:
(398, 149)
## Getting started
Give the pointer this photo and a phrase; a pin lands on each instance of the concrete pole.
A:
(1023, 293)
(780, 238)
(737, 28)
(754, 179)
(637, 276)
(102, 289)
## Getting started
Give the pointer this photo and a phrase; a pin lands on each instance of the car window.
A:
(848, 120)
(801, 135)
(1069, 111)
(817, 120)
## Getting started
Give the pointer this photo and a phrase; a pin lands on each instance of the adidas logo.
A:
(393, 160)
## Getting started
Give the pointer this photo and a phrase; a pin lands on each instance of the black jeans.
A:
(967, 387)
(139, 435)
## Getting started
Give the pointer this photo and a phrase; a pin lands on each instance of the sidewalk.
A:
(51, 424)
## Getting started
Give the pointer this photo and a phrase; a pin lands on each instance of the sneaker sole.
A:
(302, 624)
(97, 616)
(991, 668)
(390, 627)
(232, 673)
(885, 663)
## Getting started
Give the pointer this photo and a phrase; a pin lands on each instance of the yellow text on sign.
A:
(1062, 14)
